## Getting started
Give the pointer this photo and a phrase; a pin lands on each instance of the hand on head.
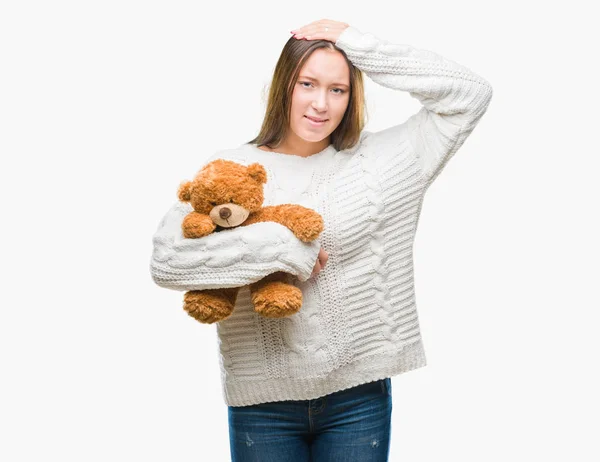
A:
(324, 29)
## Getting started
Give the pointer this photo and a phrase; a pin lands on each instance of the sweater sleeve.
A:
(453, 97)
(229, 258)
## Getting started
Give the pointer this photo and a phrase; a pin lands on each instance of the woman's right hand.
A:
(321, 261)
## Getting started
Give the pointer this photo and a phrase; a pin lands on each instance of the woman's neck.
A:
(301, 148)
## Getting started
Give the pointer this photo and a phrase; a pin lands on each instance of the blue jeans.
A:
(348, 425)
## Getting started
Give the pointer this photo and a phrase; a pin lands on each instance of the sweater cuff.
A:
(354, 39)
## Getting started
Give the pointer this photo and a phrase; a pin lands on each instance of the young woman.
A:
(315, 385)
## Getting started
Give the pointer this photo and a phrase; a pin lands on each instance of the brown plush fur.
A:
(225, 188)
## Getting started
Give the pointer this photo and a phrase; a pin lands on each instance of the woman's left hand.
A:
(324, 29)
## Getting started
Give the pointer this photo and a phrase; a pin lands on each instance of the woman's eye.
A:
(338, 92)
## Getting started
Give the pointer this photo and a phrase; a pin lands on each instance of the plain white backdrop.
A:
(106, 106)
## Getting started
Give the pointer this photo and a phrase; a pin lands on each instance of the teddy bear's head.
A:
(226, 191)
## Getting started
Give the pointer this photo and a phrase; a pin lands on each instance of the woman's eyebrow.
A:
(316, 80)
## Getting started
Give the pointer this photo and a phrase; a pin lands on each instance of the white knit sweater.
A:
(358, 322)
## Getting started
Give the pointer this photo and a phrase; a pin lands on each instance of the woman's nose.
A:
(320, 104)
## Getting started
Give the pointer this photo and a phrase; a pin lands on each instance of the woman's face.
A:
(322, 91)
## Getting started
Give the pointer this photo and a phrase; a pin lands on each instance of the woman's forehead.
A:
(327, 66)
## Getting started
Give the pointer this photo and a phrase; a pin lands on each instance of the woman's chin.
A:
(312, 137)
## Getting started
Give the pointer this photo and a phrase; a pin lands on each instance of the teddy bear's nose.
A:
(224, 213)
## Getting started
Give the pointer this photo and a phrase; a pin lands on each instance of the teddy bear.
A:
(225, 194)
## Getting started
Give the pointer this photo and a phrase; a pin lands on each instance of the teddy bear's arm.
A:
(305, 223)
(197, 225)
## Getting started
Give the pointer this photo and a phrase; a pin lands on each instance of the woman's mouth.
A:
(316, 122)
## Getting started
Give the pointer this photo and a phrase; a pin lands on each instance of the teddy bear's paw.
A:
(277, 300)
(308, 228)
(206, 307)
(196, 225)
(308, 235)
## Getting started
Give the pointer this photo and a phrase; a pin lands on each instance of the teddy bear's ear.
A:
(257, 172)
(185, 191)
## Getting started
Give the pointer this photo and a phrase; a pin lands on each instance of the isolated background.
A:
(106, 106)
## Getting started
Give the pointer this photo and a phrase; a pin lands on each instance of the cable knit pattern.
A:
(358, 322)
(255, 250)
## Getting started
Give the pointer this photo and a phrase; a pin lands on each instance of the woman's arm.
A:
(229, 258)
(453, 97)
